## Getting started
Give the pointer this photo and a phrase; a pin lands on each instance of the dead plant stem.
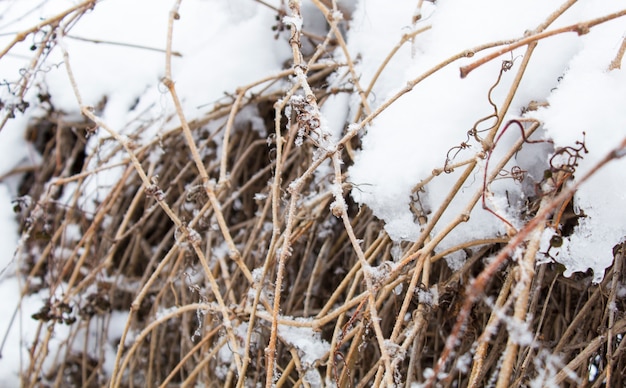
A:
(422, 263)
(525, 272)
(479, 284)
(192, 307)
(284, 255)
(208, 186)
(368, 276)
(611, 312)
(556, 14)
(405, 38)
(349, 279)
(223, 179)
(331, 18)
(616, 63)
(87, 111)
(54, 20)
(579, 28)
(479, 368)
(528, 357)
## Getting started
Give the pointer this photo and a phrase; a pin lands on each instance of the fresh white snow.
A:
(413, 136)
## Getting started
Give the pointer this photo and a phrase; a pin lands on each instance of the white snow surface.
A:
(311, 347)
(412, 137)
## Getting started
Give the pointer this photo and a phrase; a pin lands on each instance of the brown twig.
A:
(480, 283)
(579, 28)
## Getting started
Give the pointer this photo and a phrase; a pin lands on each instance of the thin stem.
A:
(479, 284)
(579, 28)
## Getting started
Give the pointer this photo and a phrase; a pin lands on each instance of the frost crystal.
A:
(311, 347)
(338, 207)
(379, 274)
(313, 377)
(455, 260)
(394, 350)
(429, 297)
(260, 196)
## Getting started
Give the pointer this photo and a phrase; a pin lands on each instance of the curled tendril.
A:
(9, 86)
(474, 131)
(306, 117)
(516, 172)
(458, 149)
(572, 155)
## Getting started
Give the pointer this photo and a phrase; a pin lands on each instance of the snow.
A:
(429, 297)
(400, 149)
(589, 99)
(18, 326)
(309, 344)
(222, 50)
(8, 231)
(129, 78)
(294, 21)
